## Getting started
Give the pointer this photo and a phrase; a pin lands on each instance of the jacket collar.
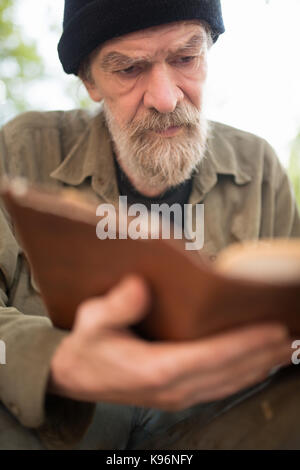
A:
(221, 158)
(92, 156)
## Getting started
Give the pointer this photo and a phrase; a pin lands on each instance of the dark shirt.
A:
(176, 195)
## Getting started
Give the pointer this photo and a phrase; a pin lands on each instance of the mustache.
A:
(182, 116)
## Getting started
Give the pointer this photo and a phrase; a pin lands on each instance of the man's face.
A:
(152, 85)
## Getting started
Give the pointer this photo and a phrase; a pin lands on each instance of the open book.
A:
(191, 297)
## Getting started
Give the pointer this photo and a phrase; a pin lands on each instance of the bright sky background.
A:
(254, 77)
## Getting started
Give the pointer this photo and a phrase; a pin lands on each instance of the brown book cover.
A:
(191, 298)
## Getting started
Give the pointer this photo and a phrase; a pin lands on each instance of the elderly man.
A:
(99, 386)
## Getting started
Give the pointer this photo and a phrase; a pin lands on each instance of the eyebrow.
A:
(115, 60)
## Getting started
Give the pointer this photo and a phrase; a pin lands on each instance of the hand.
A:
(101, 360)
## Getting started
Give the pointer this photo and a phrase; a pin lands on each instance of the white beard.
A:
(160, 161)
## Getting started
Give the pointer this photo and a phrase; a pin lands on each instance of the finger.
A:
(124, 305)
(219, 351)
(240, 375)
(230, 346)
(260, 363)
(212, 386)
(247, 381)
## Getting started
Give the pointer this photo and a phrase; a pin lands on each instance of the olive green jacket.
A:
(246, 195)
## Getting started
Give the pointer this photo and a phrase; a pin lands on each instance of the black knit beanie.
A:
(89, 23)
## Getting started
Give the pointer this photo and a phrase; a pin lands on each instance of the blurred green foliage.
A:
(294, 167)
(20, 62)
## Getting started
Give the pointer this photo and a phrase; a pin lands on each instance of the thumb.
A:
(123, 305)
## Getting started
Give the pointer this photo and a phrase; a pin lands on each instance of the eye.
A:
(185, 60)
(132, 71)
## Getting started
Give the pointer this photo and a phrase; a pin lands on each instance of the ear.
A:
(93, 90)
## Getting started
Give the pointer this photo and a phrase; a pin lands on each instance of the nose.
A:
(162, 93)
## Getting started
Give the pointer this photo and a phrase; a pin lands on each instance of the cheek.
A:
(193, 90)
(123, 99)
(124, 108)
(192, 84)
